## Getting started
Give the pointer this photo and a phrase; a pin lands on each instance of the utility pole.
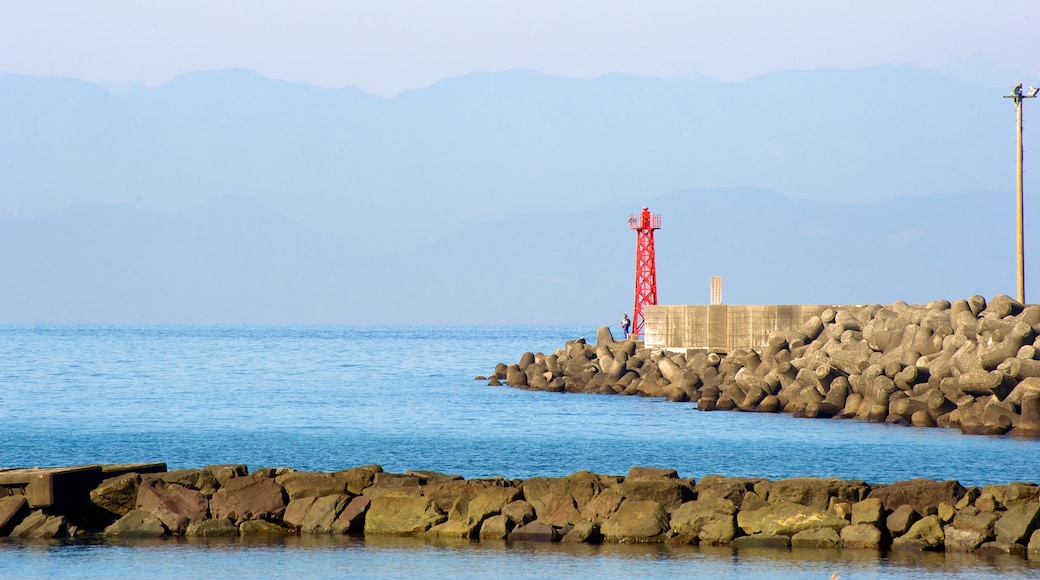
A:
(1017, 96)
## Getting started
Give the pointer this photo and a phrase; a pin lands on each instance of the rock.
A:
(787, 519)
(496, 528)
(352, 518)
(959, 540)
(215, 528)
(900, 520)
(691, 517)
(636, 521)
(760, 541)
(1034, 545)
(926, 534)
(261, 528)
(249, 498)
(559, 501)
(817, 538)
(669, 493)
(816, 493)
(731, 488)
(358, 478)
(1018, 523)
(227, 472)
(13, 509)
(975, 520)
(535, 532)
(1013, 494)
(199, 479)
(519, 512)
(136, 524)
(401, 515)
(311, 484)
(651, 473)
(117, 495)
(583, 533)
(718, 532)
(321, 517)
(868, 511)
(174, 505)
(920, 494)
(38, 526)
(296, 511)
(861, 536)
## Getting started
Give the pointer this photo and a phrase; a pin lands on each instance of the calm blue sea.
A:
(329, 398)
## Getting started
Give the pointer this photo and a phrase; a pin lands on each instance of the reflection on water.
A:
(332, 556)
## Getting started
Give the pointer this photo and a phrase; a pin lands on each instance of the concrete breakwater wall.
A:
(646, 505)
(971, 364)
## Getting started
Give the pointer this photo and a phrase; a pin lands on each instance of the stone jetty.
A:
(648, 505)
(972, 365)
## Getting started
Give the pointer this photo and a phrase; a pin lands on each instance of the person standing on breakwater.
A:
(625, 324)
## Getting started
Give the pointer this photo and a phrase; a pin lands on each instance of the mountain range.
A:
(498, 197)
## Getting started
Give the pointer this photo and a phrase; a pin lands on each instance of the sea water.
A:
(330, 398)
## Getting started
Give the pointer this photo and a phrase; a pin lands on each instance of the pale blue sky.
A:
(393, 45)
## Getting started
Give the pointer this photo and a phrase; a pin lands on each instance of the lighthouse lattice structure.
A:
(646, 265)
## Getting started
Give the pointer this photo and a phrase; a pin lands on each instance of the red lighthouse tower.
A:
(646, 265)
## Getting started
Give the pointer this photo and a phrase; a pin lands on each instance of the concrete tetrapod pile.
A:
(970, 365)
(647, 505)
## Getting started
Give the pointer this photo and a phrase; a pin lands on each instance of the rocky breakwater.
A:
(971, 364)
(647, 505)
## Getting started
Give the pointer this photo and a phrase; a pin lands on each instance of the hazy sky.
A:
(387, 46)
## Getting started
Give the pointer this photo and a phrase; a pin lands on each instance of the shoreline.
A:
(972, 365)
(648, 505)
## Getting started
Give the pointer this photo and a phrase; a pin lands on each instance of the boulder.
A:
(718, 532)
(787, 519)
(920, 494)
(215, 528)
(731, 488)
(559, 501)
(900, 520)
(637, 472)
(1034, 545)
(691, 517)
(352, 518)
(868, 511)
(401, 515)
(519, 512)
(38, 525)
(136, 524)
(322, 515)
(816, 538)
(174, 505)
(816, 493)
(1018, 523)
(117, 495)
(535, 532)
(296, 511)
(961, 540)
(226, 472)
(861, 536)
(200, 479)
(249, 498)
(311, 484)
(261, 528)
(496, 528)
(975, 520)
(636, 521)
(926, 534)
(583, 533)
(669, 493)
(359, 478)
(602, 506)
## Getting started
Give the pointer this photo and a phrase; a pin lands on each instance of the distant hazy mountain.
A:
(234, 260)
(498, 197)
